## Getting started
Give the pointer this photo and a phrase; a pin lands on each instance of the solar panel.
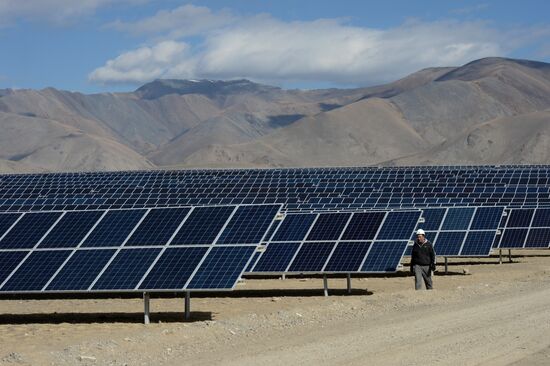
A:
(363, 226)
(311, 257)
(157, 227)
(458, 218)
(248, 224)
(203, 225)
(526, 228)
(127, 269)
(71, 229)
(6, 221)
(329, 226)
(294, 227)
(384, 256)
(80, 270)
(97, 261)
(448, 243)
(478, 243)
(35, 271)
(174, 268)
(222, 267)
(29, 230)
(276, 258)
(114, 228)
(347, 257)
(398, 225)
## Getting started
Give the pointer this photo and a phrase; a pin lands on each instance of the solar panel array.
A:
(158, 249)
(462, 231)
(341, 242)
(525, 228)
(296, 188)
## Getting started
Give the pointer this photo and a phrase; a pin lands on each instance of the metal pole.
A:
(446, 265)
(349, 283)
(146, 308)
(500, 256)
(284, 277)
(187, 305)
(325, 284)
(510, 255)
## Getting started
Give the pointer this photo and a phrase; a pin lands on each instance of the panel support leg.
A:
(283, 276)
(146, 308)
(446, 265)
(187, 315)
(325, 285)
(348, 280)
(510, 255)
(500, 256)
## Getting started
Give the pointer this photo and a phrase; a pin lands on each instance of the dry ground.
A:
(497, 315)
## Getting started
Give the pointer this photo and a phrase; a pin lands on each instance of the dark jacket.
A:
(423, 254)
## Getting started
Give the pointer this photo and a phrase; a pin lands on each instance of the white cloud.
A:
(54, 11)
(326, 50)
(185, 20)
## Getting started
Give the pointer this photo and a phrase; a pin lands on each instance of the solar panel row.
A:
(462, 231)
(169, 249)
(525, 228)
(297, 189)
(344, 242)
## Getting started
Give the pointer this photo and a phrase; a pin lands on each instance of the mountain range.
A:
(489, 111)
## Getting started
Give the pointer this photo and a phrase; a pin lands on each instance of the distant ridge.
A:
(489, 111)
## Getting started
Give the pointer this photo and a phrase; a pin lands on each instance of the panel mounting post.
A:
(348, 280)
(500, 256)
(510, 255)
(146, 308)
(187, 315)
(325, 284)
(446, 265)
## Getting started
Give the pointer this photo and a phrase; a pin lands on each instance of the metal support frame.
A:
(500, 256)
(348, 280)
(146, 308)
(510, 255)
(446, 265)
(325, 285)
(187, 305)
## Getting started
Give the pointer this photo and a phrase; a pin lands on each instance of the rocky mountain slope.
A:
(492, 110)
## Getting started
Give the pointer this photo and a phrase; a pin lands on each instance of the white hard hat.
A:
(420, 232)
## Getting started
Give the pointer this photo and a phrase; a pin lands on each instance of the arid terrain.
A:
(493, 315)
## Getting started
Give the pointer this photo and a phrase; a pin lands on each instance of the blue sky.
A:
(116, 45)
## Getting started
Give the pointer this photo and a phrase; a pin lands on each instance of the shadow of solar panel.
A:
(294, 227)
(81, 270)
(114, 228)
(384, 256)
(71, 229)
(398, 225)
(36, 271)
(458, 218)
(542, 218)
(328, 226)
(127, 269)
(520, 218)
(222, 267)
(487, 218)
(277, 257)
(6, 221)
(248, 225)
(513, 238)
(347, 257)
(158, 226)
(448, 243)
(174, 268)
(8, 262)
(363, 226)
(432, 218)
(29, 230)
(203, 225)
(478, 243)
(311, 257)
(538, 238)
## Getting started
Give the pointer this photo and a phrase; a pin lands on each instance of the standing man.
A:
(422, 261)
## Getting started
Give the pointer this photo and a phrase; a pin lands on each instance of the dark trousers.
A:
(422, 274)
